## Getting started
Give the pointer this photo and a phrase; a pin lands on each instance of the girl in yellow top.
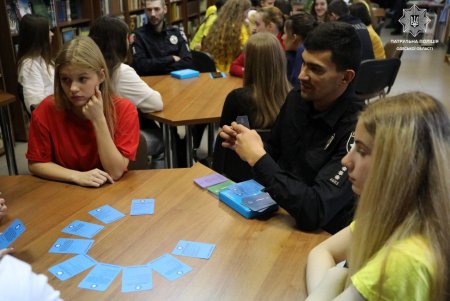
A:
(399, 247)
(228, 34)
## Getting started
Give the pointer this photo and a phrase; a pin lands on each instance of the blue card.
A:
(106, 214)
(259, 202)
(169, 267)
(142, 207)
(194, 249)
(136, 279)
(71, 245)
(246, 188)
(101, 277)
(83, 229)
(71, 267)
(11, 233)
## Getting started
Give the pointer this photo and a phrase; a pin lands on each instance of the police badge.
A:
(173, 39)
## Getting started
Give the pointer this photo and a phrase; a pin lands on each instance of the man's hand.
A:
(247, 143)
(92, 178)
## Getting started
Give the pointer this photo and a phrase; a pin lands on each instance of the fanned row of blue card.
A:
(248, 199)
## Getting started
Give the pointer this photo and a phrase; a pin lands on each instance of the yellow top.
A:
(408, 274)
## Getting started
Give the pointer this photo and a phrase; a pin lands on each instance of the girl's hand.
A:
(92, 178)
(93, 109)
(3, 208)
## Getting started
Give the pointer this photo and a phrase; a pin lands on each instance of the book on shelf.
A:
(203, 4)
(39, 8)
(68, 33)
(83, 31)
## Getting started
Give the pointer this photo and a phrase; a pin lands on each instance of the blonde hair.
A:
(272, 14)
(411, 135)
(265, 73)
(84, 52)
(223, 41)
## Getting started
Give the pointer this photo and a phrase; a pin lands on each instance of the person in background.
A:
(210, 18)
(157, 48)
(17, 280)
(296, 29)
(112, 36)
(36, 69)
(228, 34)
(359, 10)
(319, 9)
(300, 163)
(398, 247)
(338, 11)
(265, 89)
(285, 7)
(266, 19)
(267, 3)
(83, 134)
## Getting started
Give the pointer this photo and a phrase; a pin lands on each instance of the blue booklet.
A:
(248, 199)
(185, 73)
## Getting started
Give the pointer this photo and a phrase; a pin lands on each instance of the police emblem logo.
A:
(350, 141)
(173, 39)
(414, 20)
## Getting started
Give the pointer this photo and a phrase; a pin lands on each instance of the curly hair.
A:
(223, 41)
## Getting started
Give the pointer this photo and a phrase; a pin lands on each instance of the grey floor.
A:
(420, 71)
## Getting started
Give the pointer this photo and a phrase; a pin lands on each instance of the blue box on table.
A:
(236, 194)
(185, 73)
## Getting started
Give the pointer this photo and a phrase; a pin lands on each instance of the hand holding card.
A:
(14, 230)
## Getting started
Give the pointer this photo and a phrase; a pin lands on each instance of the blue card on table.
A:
(71, 267)
(142, 206)
(14, 230)
(71, 246)
(194, 249)
(259, 202)
(83, 229)
(169, 267)
(246, 188)
(136, 279)
(101, 277)
(210, 180)
(106, 214)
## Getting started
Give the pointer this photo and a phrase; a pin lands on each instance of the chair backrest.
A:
(203, 61)
(391, 50)
(228, 163)
(374, 76)
(142, 160)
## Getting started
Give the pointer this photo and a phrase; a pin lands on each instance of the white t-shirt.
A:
(127, 83)
(19, 283)
(37, 80)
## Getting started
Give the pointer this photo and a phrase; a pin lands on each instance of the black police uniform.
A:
(153, 51)
(363, 35)
(302, 169)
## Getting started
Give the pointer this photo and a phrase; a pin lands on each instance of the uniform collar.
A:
(331, 116)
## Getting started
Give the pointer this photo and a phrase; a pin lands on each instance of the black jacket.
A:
(302, 169)
(153, 51)
(363, 34)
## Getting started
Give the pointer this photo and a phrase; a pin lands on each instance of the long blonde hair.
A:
(265, 73)
(223, 41)
(84, 52)
(407, 190)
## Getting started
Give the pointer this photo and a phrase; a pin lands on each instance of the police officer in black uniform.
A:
(300, 165)
(157, 48)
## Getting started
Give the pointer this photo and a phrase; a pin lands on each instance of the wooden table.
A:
(5, 124)
(253, 259)
(188, 102)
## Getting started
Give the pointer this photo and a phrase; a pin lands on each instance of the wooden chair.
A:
(391, 50)
(376, 77)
